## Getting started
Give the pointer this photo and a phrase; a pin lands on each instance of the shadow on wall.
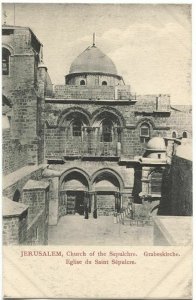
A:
(176, 191)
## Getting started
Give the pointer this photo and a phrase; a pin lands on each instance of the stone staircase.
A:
(134, 215)
(120, 217)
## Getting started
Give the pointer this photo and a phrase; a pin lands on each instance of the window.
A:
(82, 82)
(144, 133)
(174, 135)
(156, 182)
(104, 82)
(16, 196)
(184, 135)
(77, 128)
(5, 61)
(107, 127)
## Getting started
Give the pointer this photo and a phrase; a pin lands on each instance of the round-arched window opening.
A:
(82, 82)
(174, 135)
(5, 61)
(77, 128)
(184, 135)
(104, 83)
(144, 132)
(107, 129)
(16, 196)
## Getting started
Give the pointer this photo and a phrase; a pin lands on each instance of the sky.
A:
(149, 44)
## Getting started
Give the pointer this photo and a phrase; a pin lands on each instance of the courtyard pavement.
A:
(75, 230)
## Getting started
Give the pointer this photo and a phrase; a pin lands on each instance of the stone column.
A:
(95, 206)
(53, 177)
(92, 201)
(121, 201)
(145, 180)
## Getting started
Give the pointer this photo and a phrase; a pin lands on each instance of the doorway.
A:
(75, 203)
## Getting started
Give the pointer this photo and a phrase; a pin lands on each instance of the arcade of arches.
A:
(101, 194)
(100, 135)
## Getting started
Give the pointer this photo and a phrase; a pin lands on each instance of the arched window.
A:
(144, 133)
(174, 135)
(77, 128)
(82, 82)
(5, 61)
(107, 127)
(155, 182)
(104, 82)
(16, 196)
(184, 135)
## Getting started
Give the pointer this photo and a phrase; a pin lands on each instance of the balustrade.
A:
(89, 144)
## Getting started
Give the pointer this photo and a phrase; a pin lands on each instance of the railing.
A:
(93, 150)
(127, 217)
(119, 218)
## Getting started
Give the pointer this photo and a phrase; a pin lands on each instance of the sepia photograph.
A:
(97, 198)
(97, 124)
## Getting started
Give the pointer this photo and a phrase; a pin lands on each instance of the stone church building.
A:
(88, 147)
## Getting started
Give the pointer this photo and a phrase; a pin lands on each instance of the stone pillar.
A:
(92, 201)
(121, 201)
(145, 180)
(95, 206)
(53, 177)
(93, 213)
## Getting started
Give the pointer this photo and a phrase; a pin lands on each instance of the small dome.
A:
(157, 144)
(93, 60)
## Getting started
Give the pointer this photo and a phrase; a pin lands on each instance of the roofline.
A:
(22, 28)
(94, 73)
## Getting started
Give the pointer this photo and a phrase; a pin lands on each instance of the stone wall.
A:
(37, 232)
(181, 120)
(15, 229)
(92, 80)
(84, 92)
(19, 183)
(105, 205)
(22, 88)
(15, 155)
(129, 116)
(36, 201)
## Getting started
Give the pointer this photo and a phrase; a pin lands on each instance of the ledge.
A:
(13, 177)
(11, 208)
(176, 230)
(87, 101)
(36, 185)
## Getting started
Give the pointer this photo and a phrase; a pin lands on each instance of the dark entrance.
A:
(75, 202)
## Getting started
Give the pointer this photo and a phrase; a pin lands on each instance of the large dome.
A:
(93, 60)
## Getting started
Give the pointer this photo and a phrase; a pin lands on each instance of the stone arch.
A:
(174, 134)
(8, 47)
(74, 192)
(185, 134)
(110, 175)
(111, 112)
(77, 173)
(74, 111)
(155, 180)
(82, 82)
(17, 196)
(6, 101)
(6, 53)
(147, 121)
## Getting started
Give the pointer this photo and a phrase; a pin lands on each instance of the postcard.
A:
(97, 151)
